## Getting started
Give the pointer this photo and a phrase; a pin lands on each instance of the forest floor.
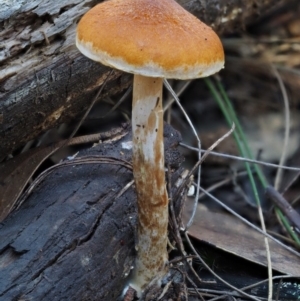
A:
(262, 81)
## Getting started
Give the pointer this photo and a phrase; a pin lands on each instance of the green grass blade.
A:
(244, 149)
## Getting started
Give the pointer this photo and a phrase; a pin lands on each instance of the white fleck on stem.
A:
(149, 176)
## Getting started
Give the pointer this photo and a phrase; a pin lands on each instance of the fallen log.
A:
(45, 81)
(73, 236)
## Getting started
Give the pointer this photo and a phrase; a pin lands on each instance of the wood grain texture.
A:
(73, 237)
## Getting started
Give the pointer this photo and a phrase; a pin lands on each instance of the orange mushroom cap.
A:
(156, 38)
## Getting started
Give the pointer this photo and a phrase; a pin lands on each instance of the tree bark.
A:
(73, 237)
(45, 81)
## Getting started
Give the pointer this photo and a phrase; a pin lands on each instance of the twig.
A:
(170, 101)
(172, 215)
(124, 96)
(269, 261)
(176, 228)
(77, 161)
(199, 145)
(216, 143)
(256, 284)
(181, 90)
(242, 158)
(287, 127)
(186, 276)
(213, 273)
(190, 222)
(247, 222)
(91, 105)
(284, 205)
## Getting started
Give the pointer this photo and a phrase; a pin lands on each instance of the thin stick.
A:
(229, 113)
(212, 272)
(238, 158)
(188, 225)
(176, 228)
(269, 261)
(287, 127)
(281, 277)
(119, 102)
(283, 156)
(216, 143)
(91, 105)
(178, 93)
(247, 222)
(172, 215)
(170, 101)
(166, 83)
(284, 205)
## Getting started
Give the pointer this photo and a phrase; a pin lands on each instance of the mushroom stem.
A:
(149, 176)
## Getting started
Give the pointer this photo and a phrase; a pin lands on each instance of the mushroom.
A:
(153, 39)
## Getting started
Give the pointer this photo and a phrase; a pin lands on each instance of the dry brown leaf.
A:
(231, 235)
(16, 173)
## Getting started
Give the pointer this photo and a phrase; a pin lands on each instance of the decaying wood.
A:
(17, 172)
(73, 237)
(45, 81)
